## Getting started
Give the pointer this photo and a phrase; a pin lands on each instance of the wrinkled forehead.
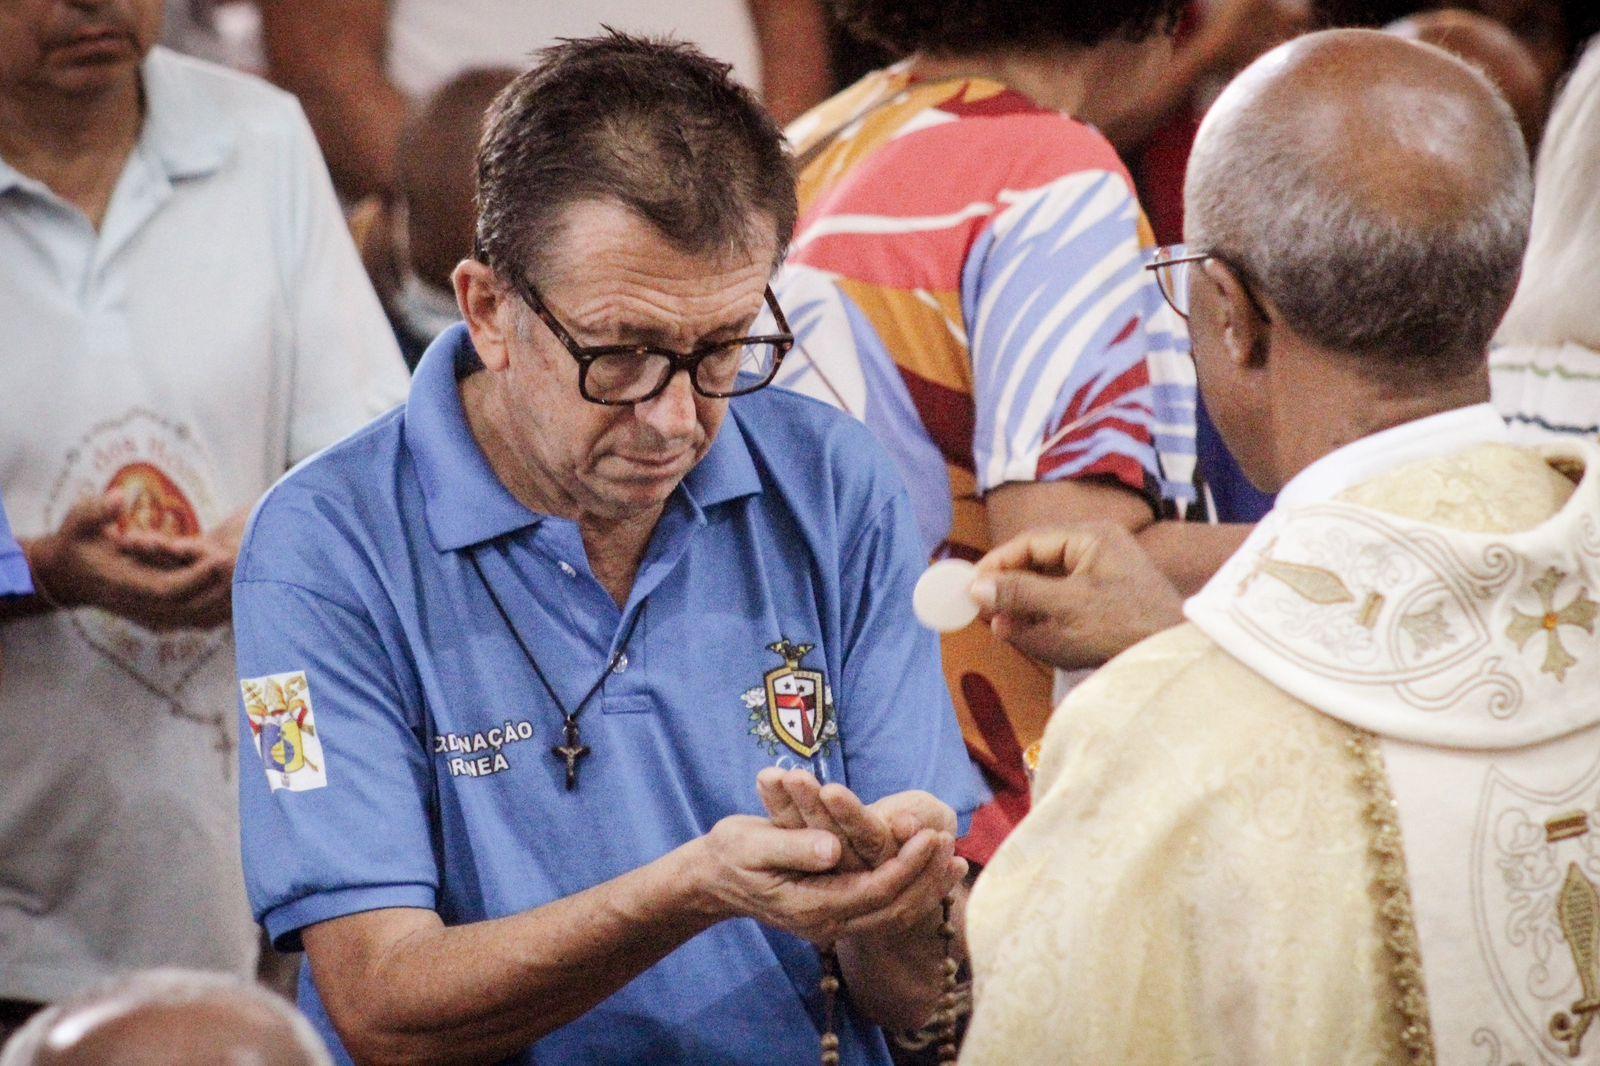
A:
(608, 266)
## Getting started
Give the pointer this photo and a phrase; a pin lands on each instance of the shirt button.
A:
(566, 568)
(622, 663)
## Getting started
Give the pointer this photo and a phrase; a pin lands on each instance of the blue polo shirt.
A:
(14, 577)
(396, 741)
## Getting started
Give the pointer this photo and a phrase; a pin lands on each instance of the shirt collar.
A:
(185, 132)
(184, 128)
(465, 501)
(1362, 460)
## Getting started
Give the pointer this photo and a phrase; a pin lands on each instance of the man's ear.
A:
(1242, 330)
(484, 305)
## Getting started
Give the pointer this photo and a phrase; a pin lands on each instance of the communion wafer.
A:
(941, 600)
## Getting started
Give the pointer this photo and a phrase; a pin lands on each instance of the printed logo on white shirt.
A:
(162, 472)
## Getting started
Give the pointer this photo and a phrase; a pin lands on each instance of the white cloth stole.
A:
(1473, 659)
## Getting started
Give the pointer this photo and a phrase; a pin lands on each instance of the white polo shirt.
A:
(217, 329)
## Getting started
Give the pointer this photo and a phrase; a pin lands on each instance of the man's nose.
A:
(673, 414)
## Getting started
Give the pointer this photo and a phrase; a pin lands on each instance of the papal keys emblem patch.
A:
(285, 729)
(793, 708)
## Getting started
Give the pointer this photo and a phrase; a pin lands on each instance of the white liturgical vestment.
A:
(1351, 813)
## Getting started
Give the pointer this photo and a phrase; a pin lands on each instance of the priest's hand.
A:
(1075, 596)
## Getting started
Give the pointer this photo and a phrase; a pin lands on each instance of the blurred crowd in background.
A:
(130, 515)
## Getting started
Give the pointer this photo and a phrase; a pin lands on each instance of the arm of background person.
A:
(796, 68)
(330, 54)
(1188, 553)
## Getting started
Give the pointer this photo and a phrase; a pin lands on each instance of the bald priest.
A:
(1350, 812)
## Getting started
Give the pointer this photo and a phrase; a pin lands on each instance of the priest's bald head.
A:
(1363, 204)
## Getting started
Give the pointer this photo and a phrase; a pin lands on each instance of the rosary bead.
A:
(951, 966)
(830, 1058)
(830, 985)
(830, 1042)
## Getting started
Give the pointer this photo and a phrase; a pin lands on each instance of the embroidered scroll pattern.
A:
(1393, 890)
(1362, 599)
(1537, 857)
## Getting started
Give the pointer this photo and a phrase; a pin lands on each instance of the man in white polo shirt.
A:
(185, 318)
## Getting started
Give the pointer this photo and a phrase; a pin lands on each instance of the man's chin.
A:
(628, 495)
(92, 78)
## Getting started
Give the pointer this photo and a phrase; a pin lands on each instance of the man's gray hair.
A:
(72, 1018)
(1414, 294)
(1556, 300)
(652, 124)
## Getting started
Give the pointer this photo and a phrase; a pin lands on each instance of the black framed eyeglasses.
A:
(621, 374)
(1171, 265)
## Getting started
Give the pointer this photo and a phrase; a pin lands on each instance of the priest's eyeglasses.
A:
(621, 374)
(1171, 265)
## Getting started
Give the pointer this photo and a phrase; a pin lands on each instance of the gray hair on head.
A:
(1413, 280)
(652, 124)
(57, 1026)
(1555, 302)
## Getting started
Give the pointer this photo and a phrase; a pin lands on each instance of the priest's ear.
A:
(1239, 323)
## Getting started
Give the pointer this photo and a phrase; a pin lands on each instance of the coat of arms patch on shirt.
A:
(285, 730)
(793, 707)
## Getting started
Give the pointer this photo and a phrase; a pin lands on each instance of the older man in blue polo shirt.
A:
(581, 694)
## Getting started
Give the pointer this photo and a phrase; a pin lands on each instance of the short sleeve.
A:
(14, 577)
(347, 365)
(894, 704)
(1064, 326)
(335, 781)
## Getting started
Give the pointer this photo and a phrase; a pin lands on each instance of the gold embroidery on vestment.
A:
(1392, 885)
(1579, 613)
(1566, 826)
(1312, 583)
(1579, 912)
(1371, 607)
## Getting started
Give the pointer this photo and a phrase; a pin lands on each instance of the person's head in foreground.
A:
(1356, 212)
(630, 212)
(169, 1018)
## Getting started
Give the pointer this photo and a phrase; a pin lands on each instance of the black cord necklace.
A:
(573, 747)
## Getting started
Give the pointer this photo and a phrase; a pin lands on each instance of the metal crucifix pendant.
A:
(573, 750)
